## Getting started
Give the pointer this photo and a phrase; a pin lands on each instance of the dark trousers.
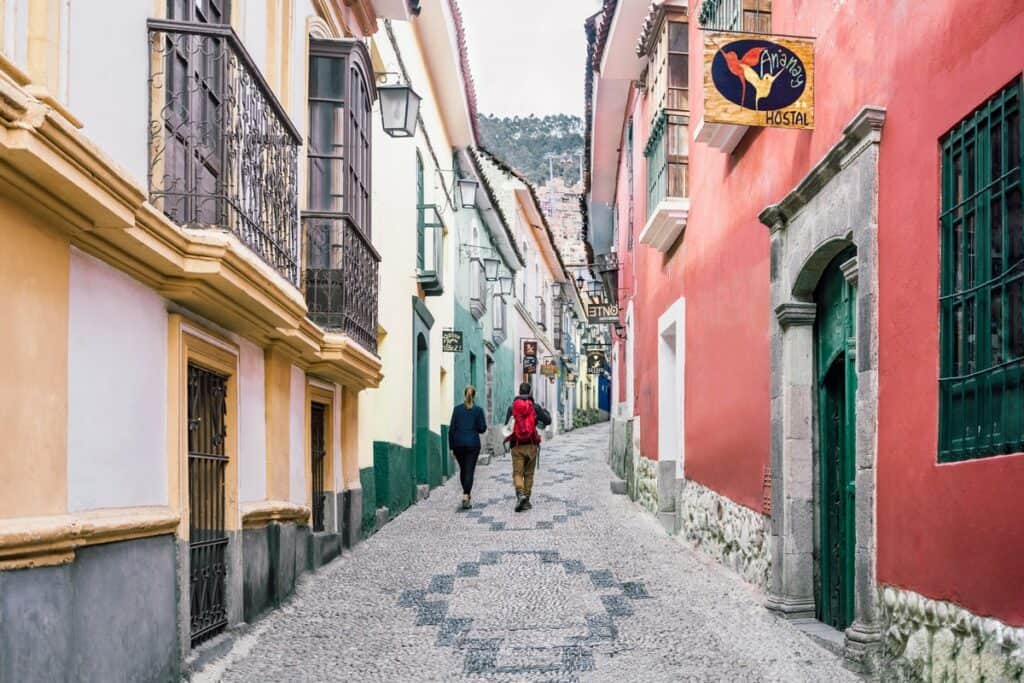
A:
(466, 457)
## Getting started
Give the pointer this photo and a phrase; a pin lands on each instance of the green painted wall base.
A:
(394, 475)
(368, 482)
(428, 458)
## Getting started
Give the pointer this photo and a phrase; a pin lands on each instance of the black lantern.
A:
(466, 188)
(620, 331)
(580, 282)
(399, 109)
(491, 269)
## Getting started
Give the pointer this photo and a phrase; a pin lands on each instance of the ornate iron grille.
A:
(318, 449)
(223, 153)
(208, 541)
(341, 277)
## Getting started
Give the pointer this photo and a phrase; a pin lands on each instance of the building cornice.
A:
(45, 541)
(260, 513)
(52, 170)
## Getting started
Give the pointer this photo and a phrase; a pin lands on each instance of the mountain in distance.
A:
(536, 145)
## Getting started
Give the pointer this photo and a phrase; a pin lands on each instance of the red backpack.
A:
(525, 427)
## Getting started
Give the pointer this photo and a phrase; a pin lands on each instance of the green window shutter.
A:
(981, 304)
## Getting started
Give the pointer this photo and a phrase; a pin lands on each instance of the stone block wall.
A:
(625, 460)
(933, 640)
(737, 536)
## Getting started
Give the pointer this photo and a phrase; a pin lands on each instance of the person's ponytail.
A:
(470, 396)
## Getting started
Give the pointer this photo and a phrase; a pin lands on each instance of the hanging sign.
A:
(602, 313)
(595, 362)
(549, 368)
(758, 80)
(451, 341)
(530, 357)
(570, 377)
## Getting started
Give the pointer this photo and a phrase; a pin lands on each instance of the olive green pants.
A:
(524, 462)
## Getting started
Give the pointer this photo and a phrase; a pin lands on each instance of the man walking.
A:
(525, 442)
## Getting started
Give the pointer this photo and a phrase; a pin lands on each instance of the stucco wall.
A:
(297, 440)
(108, 80)
(252, 423)
(117, 389)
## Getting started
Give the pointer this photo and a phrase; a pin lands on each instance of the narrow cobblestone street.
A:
(579, 588)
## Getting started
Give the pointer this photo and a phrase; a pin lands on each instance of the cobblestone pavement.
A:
(583, 587)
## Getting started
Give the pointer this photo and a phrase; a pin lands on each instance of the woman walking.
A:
(466, 426)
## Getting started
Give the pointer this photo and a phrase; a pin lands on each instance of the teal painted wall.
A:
(394, 474)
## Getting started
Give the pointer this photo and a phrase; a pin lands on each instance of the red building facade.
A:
(824, 329)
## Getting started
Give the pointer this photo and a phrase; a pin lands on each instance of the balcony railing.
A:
(341, 278)
(430, 249)
(222, 151)
(752, 16)
(666, 154)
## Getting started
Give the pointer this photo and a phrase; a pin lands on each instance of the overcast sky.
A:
(527, 55)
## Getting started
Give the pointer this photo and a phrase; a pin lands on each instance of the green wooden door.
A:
(837, 388)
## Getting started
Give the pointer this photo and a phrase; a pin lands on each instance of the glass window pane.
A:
(327, 77)
(678, 37)
(679, 76)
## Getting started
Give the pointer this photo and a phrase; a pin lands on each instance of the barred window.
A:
(981, 387)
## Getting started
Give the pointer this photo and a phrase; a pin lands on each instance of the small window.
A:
(981, 385)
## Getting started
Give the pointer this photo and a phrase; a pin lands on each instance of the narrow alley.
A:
(579, 587)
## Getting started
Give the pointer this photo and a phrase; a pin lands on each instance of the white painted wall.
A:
(297, 442)
(108, 78)
(117, 389)
(252, 423)
(671, 385)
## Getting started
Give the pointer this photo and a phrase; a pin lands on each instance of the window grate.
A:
(208, 540)
(318, 452)
(981, 385)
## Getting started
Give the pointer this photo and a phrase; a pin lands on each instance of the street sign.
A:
(451, 341)
(529, 357)
(758, 80)
(602, 313)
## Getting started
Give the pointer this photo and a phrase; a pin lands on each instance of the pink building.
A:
(821, 372)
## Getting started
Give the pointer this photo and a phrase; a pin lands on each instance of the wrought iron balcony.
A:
(341, 278)
(222, 151)
(430, 250)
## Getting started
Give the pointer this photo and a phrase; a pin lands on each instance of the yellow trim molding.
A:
(45, 541)
(56, 172)
(188, 343)
(261, 513)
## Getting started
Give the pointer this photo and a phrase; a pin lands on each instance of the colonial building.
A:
(544, 296)
(222, 271)
(818, 372)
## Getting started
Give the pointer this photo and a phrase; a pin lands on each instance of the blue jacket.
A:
(466, 426)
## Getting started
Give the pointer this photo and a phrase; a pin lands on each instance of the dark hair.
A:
(525, 389)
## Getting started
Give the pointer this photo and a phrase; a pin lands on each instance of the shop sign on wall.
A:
(451, 341)
(758, 80)
(602, 313)
(530, 357)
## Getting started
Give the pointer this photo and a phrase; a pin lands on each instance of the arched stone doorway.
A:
(824, 237)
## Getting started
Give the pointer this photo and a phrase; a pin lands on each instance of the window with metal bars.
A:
(208, 540)
(318, 452)
(981, 385)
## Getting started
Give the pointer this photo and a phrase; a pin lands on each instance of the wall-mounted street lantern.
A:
(620, 331)
(399, 107)
(491, 269)
(580, 282)
(505, 285)
(466, 192)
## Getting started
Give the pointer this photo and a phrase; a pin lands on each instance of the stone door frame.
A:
(835, 206)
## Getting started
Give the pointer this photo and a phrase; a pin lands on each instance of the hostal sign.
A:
(758, 80)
